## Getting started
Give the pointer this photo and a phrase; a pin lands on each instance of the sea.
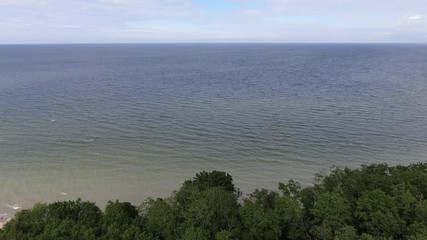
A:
(131, 121)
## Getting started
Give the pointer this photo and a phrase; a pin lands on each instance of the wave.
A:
(15, 206)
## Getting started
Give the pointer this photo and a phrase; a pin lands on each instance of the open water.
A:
(131, 121)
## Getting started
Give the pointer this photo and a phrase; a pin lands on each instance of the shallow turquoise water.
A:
(130, 121)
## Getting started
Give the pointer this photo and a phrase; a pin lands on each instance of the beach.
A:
(5, 218)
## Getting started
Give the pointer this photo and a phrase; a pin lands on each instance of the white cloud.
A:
(20, 3)
(189, 20)
(415, 17)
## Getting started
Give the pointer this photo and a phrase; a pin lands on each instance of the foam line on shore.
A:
(4, 218)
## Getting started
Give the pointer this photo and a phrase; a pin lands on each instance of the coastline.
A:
(4, 218)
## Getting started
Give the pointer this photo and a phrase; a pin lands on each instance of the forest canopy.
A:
(372, 202)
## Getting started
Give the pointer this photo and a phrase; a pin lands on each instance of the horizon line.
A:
(188, 43)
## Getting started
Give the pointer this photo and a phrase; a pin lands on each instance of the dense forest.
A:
(372, 202)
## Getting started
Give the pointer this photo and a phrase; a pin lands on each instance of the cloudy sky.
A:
(133, 21)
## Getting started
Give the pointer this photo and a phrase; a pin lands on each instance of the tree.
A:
(195, 234)
(331, 211)
(121, 221)
(259, 223)
(346, 233)
(202, 182)
(214, 210)
(291, 217)
(378, 214)
(372, 202)
(59, 220)
(161, 218)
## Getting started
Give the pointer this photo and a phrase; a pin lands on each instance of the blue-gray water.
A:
(131, 121)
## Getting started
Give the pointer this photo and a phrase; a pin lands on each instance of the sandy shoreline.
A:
(4, 219)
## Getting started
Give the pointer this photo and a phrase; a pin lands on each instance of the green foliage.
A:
(421, 234)
(121, 221)
(161, 218)
(346, 233)
(264, 198)
(201, 182)
(331, 211)
(59, 220)
(259, 222)
(421, 212)
(224, 235)
(373, 202)
(214, 210)
(206, 180)
(193, 233)
(378, 214)
(291, 217)
(292, 189)
(208, 202)
(120, 213)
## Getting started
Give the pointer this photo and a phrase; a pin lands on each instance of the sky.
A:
(159, 21)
